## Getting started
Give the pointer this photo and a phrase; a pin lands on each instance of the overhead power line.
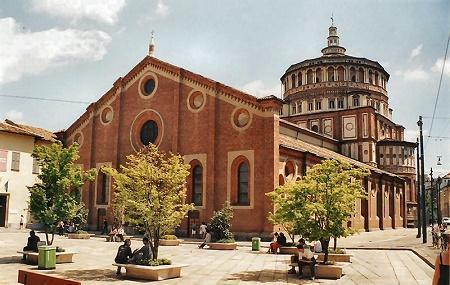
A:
(45, 99)
(439, 87)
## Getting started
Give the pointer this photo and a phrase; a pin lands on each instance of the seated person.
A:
(120, 232)
(123, 254)
(280, 241)
(143, 253)
(306, 258)
(318, 246)
(207, 239)
(112, 234)
(32, 242)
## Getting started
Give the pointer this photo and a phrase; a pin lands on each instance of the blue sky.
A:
(76, 49)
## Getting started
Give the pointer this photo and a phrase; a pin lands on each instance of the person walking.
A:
(442, 269)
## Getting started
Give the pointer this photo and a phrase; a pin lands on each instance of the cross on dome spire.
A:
(151, 47)
(333, 48)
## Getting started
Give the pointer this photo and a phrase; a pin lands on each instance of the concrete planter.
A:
(154, 273)
(222, 246)
(288, 250)
(328, 271)
(79, 236)
(336, 257)
(169, 242)
(61, 257)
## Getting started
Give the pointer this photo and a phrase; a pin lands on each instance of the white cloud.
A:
(14, 116)
(24, 53)
(437, 67)
(105, 11)
(416, 51)
(161, 9)
(415, 74)
(258, 89)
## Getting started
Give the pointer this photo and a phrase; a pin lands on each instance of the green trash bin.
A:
(256, 243)
(47, 257)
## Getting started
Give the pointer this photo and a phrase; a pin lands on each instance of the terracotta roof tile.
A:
(12, 127)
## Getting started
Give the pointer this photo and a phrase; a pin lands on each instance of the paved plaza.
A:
(93, 264)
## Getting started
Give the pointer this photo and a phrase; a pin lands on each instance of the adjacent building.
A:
(18, 169)
(241, 147)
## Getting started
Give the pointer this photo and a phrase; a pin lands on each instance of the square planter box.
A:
(336, 257)
(288, 250)
(222, 246)
(79, 236)
(169, 242)
(329, 271)
(154, 273)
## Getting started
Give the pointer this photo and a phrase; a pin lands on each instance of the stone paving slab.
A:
(93, 265)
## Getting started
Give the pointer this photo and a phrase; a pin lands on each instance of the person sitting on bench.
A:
(32, 244)
(143, 253)
(123, 254)
(305, 258)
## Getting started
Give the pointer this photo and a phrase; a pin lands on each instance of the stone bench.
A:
(117, 239)
(222, 246)
(34, 278)
(324, 271)
(336, 257)
(154, 273)
(61, 257)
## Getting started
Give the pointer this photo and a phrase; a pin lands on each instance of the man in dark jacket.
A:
(33, 240)
(123, 254)
(143, 253)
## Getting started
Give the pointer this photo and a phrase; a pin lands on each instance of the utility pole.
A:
(422, 183)
(432, 197)
(419, 225)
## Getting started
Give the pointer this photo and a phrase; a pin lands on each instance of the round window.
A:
(107, 115)
(149, 86)
(149, 132)
(241, 118)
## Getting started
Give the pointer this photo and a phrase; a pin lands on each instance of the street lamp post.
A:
(432, 197)
(439, 213)
(419, 225)
(422, 183)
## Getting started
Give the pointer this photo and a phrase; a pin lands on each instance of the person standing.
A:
(21, 222)
(442, 269)
(105, 227)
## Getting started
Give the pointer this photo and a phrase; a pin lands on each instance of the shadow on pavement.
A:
(90, 275)
(261, 276)
(10, 259)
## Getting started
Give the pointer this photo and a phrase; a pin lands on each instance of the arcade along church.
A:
(241, 147)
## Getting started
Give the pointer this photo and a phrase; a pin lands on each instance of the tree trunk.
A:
(46, 236)
(155, 248)
(53, 237)
(335, 244)
(325, 244)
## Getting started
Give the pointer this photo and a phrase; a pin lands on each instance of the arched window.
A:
(352, 74)
(356, 101)
(293, 80)
(300, 79)
(315, 128)
(242, 184)
(318, 75)
(309, 77)
(340, 73)
(361, 75)
(330, 72)
(376, 78)
(197, 185)
(370, 77)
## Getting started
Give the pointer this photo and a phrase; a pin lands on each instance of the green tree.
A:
(54, 198)
(220, 224)
(150, 192)
(319, 205)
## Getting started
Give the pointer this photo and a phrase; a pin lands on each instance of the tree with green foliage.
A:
(319, 205)
(220, 224)
(55, 197)
(150, 192)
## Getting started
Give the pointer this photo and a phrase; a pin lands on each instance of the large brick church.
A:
(241, 147)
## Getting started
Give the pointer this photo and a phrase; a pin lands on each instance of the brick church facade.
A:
(241, 147)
